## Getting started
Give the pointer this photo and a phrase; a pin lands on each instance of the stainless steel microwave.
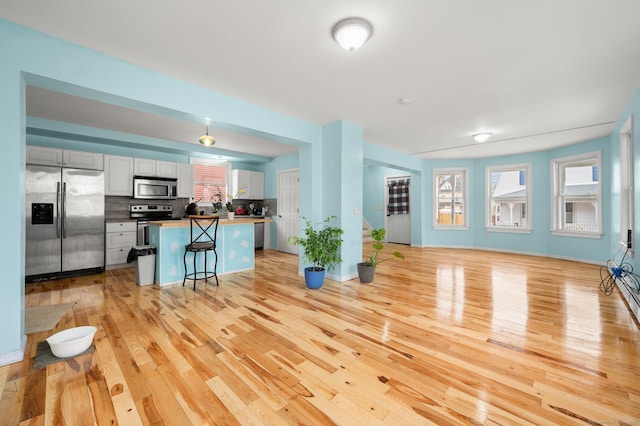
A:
(154, 188)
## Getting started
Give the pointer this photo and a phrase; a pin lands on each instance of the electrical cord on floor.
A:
(624, 273)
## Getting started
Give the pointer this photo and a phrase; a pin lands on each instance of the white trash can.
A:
(145, 264)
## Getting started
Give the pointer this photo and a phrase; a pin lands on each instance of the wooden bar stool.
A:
(202, 241)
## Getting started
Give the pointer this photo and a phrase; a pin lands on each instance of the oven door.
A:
(143, 233)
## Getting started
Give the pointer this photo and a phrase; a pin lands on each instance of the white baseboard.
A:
(15, 356)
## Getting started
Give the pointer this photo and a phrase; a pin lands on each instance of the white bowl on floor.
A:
(72, 341)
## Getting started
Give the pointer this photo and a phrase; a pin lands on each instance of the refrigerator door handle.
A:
(58, 211)
(64, 210)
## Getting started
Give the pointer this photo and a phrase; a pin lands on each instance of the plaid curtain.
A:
(398, 197)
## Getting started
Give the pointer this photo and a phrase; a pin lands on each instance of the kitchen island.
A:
(235, 247)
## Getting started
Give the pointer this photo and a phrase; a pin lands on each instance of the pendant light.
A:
(207, 140)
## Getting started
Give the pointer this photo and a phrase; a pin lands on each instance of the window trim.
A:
(528, 197)
(211, 162)
(451, 171)
(574, 160)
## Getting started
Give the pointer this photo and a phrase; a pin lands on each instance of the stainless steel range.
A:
(144, 213)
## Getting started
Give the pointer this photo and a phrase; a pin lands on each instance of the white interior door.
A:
(288, 210)
(398, 226)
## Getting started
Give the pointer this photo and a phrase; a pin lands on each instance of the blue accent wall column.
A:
(342, 180)
(12, 175)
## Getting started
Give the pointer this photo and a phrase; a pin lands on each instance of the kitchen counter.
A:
(223, 222)
(234, 245)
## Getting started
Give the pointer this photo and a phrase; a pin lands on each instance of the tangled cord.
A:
(612, 272)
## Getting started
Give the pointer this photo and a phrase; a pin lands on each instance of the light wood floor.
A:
(447, 337)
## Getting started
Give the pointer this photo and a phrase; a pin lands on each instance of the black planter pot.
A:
(366, 272)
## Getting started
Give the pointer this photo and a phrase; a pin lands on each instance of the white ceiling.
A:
(538, 74)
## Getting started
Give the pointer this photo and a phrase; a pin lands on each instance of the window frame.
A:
(489, 170)
(464, 171)
(210, 162)
(558, 198)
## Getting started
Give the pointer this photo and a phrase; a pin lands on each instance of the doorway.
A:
(288, 210)
(398, 217)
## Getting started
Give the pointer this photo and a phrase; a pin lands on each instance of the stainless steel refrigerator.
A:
(65, 222)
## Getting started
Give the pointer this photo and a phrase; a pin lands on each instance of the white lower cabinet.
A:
(119, 239)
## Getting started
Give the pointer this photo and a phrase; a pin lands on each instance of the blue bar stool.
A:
(202, 241)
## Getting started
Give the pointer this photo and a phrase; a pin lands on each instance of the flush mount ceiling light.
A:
(207, 140)
(482, 137)
(351, 33)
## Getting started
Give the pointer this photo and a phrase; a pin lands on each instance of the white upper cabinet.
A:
(64, 158)
(118, 175)
(83, 160)
(146, 167)
(166, 169)
(252, 184)
(44, 156)
(186, 180)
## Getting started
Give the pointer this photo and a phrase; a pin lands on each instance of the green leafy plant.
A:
(378, 236)
(320, 243)
(230, 198)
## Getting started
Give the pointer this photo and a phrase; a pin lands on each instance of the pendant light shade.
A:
(352, 33)
(207, 140)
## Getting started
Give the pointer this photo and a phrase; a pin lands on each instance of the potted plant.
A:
(321, 247)
(367, 269)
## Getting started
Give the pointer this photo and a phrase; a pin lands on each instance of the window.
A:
(210, 176)
(508, 198)
(577, 206)
(450, 198)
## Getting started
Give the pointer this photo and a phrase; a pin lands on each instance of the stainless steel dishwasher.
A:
(258, 235)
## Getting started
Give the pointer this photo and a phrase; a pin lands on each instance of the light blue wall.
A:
(284, 162)
(373, 204)
(539, 241)
(35, 59)
(32, 58)
(632, 109)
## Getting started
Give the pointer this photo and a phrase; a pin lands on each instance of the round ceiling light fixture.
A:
(351, 33)
(482, 137)
(206, 139)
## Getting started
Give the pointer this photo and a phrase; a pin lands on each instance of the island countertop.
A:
(223, 221)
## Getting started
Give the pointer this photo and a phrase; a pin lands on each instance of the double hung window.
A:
(577, 189)
(450, 198)
(209, 178)
(508, 198)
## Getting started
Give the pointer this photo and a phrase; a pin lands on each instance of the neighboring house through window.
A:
(508, 198)
(577, 190)
(450, 198)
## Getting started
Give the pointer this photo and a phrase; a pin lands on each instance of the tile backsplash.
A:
(118, 207)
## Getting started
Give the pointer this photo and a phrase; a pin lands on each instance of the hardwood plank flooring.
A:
(448, 337)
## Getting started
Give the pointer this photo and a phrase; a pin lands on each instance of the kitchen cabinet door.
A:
(256, 180)
(144, 167)
(44, 156)
(166, 169)
(82, 160)
(118, 175)
(120, 237)
(251, 182)
(185, 180)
